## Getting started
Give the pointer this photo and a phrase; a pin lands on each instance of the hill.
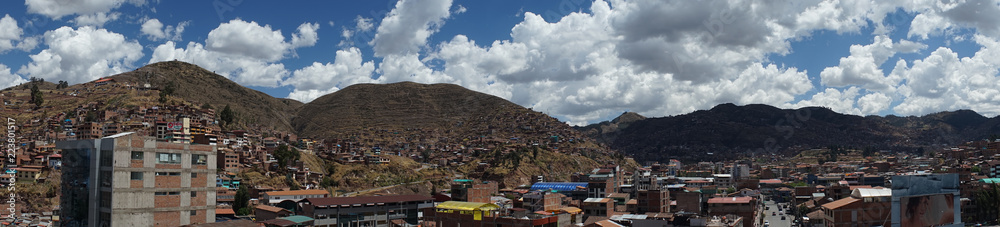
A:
(451, 124)
(199, 86)
(727, 131)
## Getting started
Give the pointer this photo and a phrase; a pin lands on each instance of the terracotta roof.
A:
(298, 192)
(226, 211)
(840, 203)
(270, 208)
(632, 202)
(366, 199)
(770, 181)
(730, 200)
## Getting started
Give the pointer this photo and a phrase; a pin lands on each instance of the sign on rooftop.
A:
(175, 126)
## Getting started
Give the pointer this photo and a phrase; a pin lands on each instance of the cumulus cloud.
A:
(320, 79)
(983, 15)
(408, 25)
(96, 19)
(245, 52)
(8, 79)
(841, 101)
(9, 32)
(943, 81)
(90, 12)
(155, 30)
(861, 68)
(106, 53)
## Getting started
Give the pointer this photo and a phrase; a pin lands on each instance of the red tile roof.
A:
(335, 201)
(840, 203)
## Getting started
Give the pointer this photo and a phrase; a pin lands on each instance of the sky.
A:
(580, 61)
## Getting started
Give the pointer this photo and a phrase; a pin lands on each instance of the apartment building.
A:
(131, 180)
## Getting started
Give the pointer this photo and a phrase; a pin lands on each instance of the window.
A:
(199, 159)
(136, 175)
(194, 212)
(194, 175)
(168, 158)
(137, 155)
(168, 173)
(194, 194)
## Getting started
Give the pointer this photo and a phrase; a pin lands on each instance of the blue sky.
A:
(578, 60)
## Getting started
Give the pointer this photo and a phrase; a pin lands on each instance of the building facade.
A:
(365, 210)
(131, 180)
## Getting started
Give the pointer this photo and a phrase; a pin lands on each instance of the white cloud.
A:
(935, 19)
(861, 68)
(306, 35)
(239, 37)
(943, 81)
(82, 54)
(154, 30)
(320, 79)
(8, 79)
(874, 103)
(460, 9)
(241, 69)
(841, 101)
(90, 12)
(28, 43)
(408, 25)
(96, 19)
(9, 32)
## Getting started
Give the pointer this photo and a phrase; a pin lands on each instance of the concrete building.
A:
(131, 180)
(365, 210)
(598, 207)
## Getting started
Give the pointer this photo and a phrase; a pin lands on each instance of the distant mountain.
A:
(728, 130)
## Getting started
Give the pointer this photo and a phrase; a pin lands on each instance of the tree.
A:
(976, 169)
(284, 154)
(241, 201)
(988, 199)
(227, 116)
(167, 91)
(36, 95)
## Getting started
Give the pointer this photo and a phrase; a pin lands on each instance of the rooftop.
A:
(336, 201)
(298, 192)
(840, 203)
(559, 186)
(730, 200)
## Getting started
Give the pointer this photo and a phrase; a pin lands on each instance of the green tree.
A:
(227, 116)
(36, 95)
(167, 91)
(976, 169)
(989, 200)
(241, 201)
(284, 154)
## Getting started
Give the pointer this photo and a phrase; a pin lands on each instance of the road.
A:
(775, 220)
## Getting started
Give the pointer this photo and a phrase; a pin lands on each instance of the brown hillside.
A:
(199, 86)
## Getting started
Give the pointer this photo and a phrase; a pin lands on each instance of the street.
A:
(775, 220)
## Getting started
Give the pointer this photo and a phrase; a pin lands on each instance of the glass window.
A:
(168, 158)
(194, 212)
(160, 193)
(137, 155)
(194, 175)
(194, 194)
(199, 159)
(136, 175)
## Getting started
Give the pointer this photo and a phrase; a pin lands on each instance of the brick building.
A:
(865, 207)
(131, 180)
(655, 201)
(466, 190)
(455, 214)
(745, 207)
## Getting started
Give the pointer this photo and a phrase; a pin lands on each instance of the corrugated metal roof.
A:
(871, 192)
(298, 219)
(559, 186)
(367, 199)
(458, 205)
